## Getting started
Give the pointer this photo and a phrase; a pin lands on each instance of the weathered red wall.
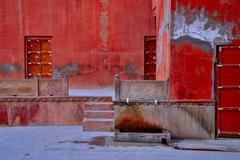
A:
(196, 28)
(163, 52)
(92, 39)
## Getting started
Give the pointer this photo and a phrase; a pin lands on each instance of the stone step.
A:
(99, 114)
(105, 125)
(98, 106)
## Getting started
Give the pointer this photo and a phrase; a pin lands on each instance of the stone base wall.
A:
(44, 110)
(140, 90)
(193, 120)
(34, 87)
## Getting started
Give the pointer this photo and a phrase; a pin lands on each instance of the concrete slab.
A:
(143, 137)
(226, 145)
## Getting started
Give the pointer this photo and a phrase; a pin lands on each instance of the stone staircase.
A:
(98, 116)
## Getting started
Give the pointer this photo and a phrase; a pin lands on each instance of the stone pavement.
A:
(71, 143)
(222, 144)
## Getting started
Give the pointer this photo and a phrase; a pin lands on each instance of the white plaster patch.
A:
(217, 33)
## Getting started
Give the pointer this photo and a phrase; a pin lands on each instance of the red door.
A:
(228, 90)
(150, 58)
(38, 57)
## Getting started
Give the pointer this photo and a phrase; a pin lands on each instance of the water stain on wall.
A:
(10, 68)
(67, 69)
(206, 46)
(131, 70)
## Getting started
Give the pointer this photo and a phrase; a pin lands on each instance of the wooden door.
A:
(228, 90)
(38, 57)
(150, 58)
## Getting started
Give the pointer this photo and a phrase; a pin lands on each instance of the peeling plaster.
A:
(195, 23)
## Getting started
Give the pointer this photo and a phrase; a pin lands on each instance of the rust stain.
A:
(133, 121)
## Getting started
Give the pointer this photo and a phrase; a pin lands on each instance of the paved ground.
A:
(92, 92)
(70, 143)
(227, 145)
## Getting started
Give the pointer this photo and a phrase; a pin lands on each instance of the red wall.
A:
(196, 28)
(92, 39)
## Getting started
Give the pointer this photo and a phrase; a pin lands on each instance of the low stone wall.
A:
(25, 111)
(194, 120)
(140, 89)
(34, 87)
(55, 87)
(18, 87)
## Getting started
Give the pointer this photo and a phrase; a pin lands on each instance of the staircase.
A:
(98, 116)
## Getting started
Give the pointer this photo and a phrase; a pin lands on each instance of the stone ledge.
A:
(55, 99)
(152, 102)
(164, 137)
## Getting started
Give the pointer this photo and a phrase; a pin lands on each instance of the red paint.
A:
(191, 73)
(214, 9)
(19, 115)
(228, 92)
(191, 66)
(3, 115)
(38, 115)
(100, 38)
